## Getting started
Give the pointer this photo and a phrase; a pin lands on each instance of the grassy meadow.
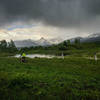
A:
(72, 78)
(76, 77)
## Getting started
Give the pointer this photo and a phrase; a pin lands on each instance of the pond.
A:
(37, 56)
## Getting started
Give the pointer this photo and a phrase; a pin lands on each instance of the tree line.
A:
(7, 46)
(66, 45)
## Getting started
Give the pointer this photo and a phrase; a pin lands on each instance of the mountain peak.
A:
(94, 35)
(42, 38)
(43, 42)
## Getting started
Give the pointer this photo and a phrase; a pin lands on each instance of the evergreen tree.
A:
(11, 46)
(77, 41)
(68, 42)
(3, 44)
(65, 44)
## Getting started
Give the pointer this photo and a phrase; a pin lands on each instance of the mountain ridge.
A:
(30, 43)
(43, 42)
(91, 38)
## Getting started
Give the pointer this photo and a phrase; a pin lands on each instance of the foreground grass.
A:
(49, 79)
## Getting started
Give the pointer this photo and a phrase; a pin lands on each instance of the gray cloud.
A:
(92, 7)
(62, 13)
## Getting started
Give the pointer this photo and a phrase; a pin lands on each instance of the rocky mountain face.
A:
(25, 43)
(91, 38)
(30, 43)
(43, 42)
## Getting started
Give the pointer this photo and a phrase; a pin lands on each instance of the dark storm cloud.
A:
(70, 13)
(92, 6)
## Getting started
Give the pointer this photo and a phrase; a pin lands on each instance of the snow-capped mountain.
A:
(94, 35)
(56, 40)
(43, 42)
(30, 43)
(91, 38)
(25, 43)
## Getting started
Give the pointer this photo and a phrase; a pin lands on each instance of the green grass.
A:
(49, 79)
(75, 52)
(6, 54)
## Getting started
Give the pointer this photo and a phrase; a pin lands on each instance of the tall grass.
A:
(49, 79)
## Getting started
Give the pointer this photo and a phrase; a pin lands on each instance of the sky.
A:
(33, 19)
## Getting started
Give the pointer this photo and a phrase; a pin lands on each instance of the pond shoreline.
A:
(38, 56)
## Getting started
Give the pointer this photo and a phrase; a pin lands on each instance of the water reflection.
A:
(36, 56)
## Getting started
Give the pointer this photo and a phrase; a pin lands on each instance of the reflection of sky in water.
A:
(36, 55)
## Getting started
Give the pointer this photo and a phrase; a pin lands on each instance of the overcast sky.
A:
(33, 19)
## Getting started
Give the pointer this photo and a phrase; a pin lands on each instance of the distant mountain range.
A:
(91, 38)
(24, 43)
(43, 42)
(30, 43)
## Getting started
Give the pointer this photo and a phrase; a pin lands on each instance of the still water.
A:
(37, 56)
